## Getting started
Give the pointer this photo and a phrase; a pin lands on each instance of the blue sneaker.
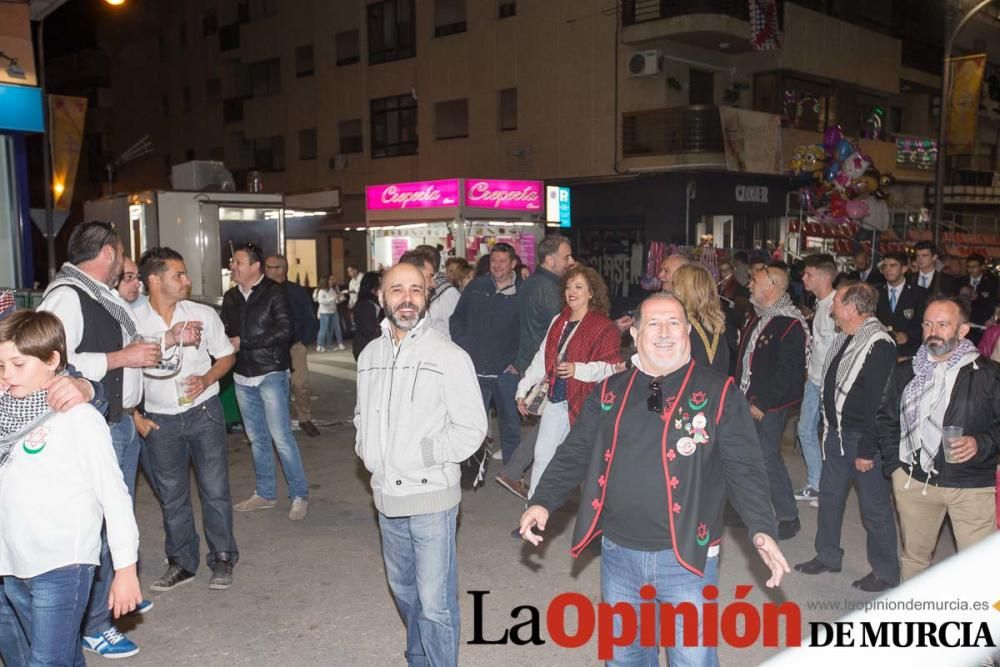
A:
(110, 644)
(143, 607)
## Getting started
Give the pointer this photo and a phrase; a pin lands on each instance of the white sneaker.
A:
(320, 348)
(341, 348)
(497, 455)
(300, 507)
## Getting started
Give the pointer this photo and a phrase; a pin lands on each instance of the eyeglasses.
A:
(128, 277)
(768, 274)
(654, 402)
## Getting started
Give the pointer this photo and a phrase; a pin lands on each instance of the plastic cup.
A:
(949, 434)
(183, 399)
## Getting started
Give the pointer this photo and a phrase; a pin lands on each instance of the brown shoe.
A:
(516, 487)
(309, 428)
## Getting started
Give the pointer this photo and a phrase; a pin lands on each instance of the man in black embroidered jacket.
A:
(658, 450)
(770, 370)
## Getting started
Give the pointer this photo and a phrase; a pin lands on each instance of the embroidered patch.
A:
(702, 535)
(908, 313)
(698, 400)
(698, 431)
(686, 447)
(679, 424)
(36, 441)
(608, 401)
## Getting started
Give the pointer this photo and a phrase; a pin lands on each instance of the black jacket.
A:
(908, 316)
(486, 324)
(367, 320)
(974, 405)
(305, 324)
(264, 325)
(777, 363)
(984, 301)
(875, 277)
(941, 283)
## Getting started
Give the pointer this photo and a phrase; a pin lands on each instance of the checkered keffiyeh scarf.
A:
(70, 275)
(18, 416)
(441, 285)
(764, 25)
(782, 307)
(920, 432)
(7, 302)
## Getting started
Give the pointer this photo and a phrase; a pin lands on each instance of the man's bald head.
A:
(404, 297)
(667, 268)
(767, 285)
(276, 268)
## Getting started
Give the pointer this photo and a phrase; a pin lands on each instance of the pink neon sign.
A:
(421, 194)
(504, 195)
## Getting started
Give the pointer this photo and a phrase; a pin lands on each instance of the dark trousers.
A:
(501, 390)
(195, 437)
(769, 432)
(874, 492)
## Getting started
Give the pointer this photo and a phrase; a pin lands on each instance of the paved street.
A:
(314, 592)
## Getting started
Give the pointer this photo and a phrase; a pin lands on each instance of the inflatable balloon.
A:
(831, 172)
(843, 150)
(856, 209)
(808, 162)
(856, 164)
(832, 137)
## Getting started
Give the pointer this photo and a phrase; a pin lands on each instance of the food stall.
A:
(464, 216)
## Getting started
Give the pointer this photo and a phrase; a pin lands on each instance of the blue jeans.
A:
(809, 417)
(267, 419)
(194, 437)
(501, 391)
(624, 571)
(14, 648)
(127, 444)
(329, 326)
(421, 566)
(50, 607)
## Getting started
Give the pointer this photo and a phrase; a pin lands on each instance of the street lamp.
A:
(943, 117)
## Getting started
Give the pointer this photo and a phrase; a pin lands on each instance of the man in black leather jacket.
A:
(947, 383)
(258, 321)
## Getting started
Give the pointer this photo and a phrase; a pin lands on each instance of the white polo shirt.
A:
(161, 394)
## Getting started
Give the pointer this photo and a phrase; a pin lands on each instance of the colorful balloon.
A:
(843, 150)
(832, 137)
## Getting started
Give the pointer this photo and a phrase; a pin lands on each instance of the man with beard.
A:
(946, 384)
(418, 415)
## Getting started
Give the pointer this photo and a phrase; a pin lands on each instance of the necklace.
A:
(710, 348)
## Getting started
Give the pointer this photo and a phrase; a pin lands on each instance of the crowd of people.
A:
(881, 365)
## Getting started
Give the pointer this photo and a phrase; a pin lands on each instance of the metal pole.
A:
(50, 232)
(943, 117)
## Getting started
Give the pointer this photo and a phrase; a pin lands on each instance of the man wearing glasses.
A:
(658, 450)
(128, 285)
(770, 368)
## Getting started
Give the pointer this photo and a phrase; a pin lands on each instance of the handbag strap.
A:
(565, 344)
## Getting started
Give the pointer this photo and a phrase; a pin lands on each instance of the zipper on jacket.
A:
(413, 388)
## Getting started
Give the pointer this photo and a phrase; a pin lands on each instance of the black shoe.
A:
(222, 576)
(309, 428)
(788, 529)
(173, 577)
(815, 566)
(872, 583)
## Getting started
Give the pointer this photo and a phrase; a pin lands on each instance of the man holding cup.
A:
(184, 425)
(939, 431)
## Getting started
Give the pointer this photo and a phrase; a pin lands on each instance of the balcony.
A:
(687, 136)
(640, 11)
(720, 25)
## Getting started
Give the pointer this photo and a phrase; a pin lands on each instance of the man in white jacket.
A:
(419, 414)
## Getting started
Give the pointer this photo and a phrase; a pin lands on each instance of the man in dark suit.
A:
(864, 271)
(981, 289)
(927, 274)
(901, 305)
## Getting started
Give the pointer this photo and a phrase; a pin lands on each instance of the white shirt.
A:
(161, 394)
(64, 303)
(246, 293)
(61, 482)
(925, 279)
(824, 330)
(441, 309)
(353, 288)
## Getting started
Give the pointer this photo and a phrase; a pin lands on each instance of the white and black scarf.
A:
(70, 275)
(783, 307)
(853, 360)
(18, 416)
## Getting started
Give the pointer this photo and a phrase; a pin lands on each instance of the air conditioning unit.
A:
(645, 63)
(202, 176)
(339, 162)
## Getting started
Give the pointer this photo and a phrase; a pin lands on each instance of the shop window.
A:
(348, 51)
(394, 126)
(350, 136)
(304, 61)
(186, 98)
(449, 17)
(209, 22)
(261, 9)
(506, 9)
(508, 109)
(451, 119)
(213, 89)
(269, 153)
(307, 144)
(391, 31)
(701, 87)
(265, 78)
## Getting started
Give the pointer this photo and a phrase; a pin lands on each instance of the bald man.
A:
(667, 268)
(419, 415)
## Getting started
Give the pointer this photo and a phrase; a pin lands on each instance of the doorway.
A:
(337, 268)
(301, 254)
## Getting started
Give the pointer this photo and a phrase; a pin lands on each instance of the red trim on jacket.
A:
(722, 401)
(666, 472)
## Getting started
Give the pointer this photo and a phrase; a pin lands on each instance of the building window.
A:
(189, 154)
(449, 17)
(307, 144)
(451, 119)
(269, 153)
(802, 103)
(350, 136)
(265, 78)
(304, 60)
(348, 51)
(186, 98)
(394, 126)
(391, 31)
(232, 110)
(508, 109)
(261, 9)
(229, 37)
(217, 154)
(209, 22)
(182, 35)
(506, 9)
(165, 106)
(701, 87)
(213, 89)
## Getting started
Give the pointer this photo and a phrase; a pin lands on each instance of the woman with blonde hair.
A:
(696, 289)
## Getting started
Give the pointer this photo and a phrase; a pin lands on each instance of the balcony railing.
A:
(640, 11)
(672, 131)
